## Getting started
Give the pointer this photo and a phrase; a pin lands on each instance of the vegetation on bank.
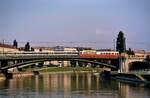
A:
(61, 69)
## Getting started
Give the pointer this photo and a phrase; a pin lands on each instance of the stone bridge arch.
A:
(125, 63)
(138, 65)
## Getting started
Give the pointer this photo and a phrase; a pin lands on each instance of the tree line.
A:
(120, 45)
(27, 46)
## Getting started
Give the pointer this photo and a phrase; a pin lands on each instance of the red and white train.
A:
(81, 53)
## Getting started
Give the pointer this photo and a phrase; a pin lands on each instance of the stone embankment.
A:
(18, 74)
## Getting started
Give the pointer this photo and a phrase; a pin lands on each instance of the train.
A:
(100, 54)
(80, 53)
(28, 53)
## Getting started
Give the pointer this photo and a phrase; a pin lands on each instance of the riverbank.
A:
(17, 74)
(49, 70)
(62, 69)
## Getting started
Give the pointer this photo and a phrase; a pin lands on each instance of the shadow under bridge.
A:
(30, 62)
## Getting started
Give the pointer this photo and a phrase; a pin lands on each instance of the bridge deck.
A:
(16, 57)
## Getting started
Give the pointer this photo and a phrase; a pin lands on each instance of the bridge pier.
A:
(40, 64)
(77, 64)
(3, 63)
(123, 65)
(36, 72)
(7, 74)
(83, 64)
(125, 62)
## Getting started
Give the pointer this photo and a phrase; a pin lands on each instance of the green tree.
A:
(130, 52)
(121, 44)
(32, 49)
(27, 46)
(40, 49)
(15, 44)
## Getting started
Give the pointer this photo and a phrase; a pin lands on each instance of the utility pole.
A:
(3, 47)
(114, 44)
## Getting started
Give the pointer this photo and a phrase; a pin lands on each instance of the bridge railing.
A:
(147, 71)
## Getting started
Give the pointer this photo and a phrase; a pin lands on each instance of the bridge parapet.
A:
(136, 56)
(127, 59)
(126, 56)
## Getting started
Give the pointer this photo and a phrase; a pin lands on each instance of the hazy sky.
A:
(94, 23)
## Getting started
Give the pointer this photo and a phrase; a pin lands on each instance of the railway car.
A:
(102, 54)
(107, 52)
(32, 53)
(88, 52)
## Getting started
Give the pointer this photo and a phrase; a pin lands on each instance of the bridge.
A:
(127, 61)
(124, 60)
(121, 62)
(26, 59)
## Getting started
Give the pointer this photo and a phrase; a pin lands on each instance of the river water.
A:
(70, 85)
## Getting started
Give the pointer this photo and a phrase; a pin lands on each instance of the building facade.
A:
(7, 48)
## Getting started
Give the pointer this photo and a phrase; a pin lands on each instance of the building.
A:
(7, 48)
(70, 49)
(43, 49)
(139, 52)
(63, 48)
(59, 48)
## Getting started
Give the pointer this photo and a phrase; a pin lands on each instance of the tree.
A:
(130, 52)
(15, 44)
(32, 49)
(148, 59)
(27, 46)
(40, 49)
(121, 44)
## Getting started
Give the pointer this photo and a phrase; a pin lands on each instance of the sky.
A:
(91, 23)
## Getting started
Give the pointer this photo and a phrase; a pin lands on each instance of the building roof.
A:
(104, 50)
(41, 47)
(140, 51)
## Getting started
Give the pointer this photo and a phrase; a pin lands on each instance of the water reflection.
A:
(69, 85)
(133, 90)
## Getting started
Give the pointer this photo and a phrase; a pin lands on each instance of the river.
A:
(70, 85)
